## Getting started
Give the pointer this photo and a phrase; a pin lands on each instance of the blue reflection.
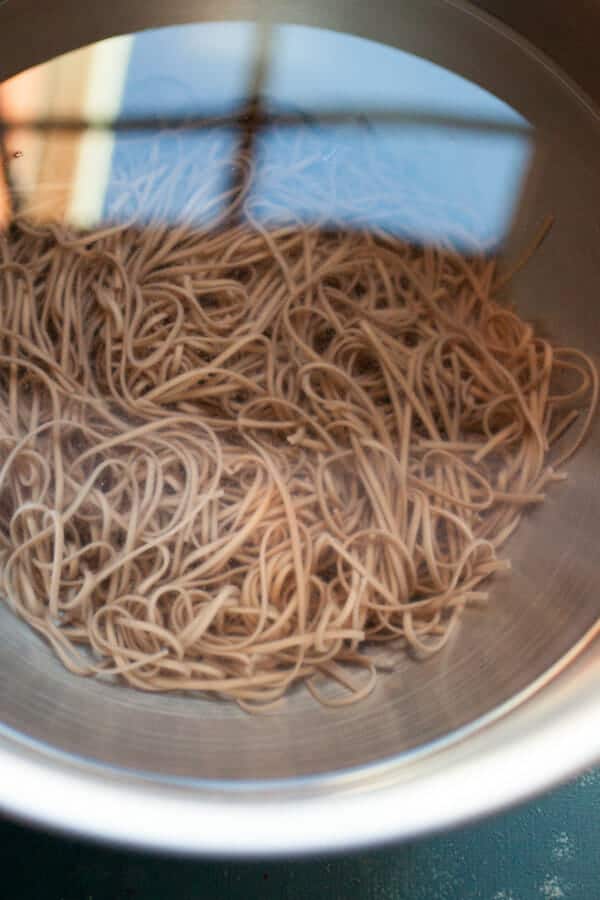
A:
(398, 161)
(180, 70)
(353, 73)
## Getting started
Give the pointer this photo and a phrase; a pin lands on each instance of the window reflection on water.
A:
(159, 126)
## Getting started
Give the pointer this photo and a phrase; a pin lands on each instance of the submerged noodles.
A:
(235, 460)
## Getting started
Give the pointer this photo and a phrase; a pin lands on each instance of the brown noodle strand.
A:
(231, 460)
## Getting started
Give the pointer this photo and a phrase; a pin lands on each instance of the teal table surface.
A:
(546, 850)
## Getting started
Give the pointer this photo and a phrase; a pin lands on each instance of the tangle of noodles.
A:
(232, 460)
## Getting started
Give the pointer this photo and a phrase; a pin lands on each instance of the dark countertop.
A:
(545, 850)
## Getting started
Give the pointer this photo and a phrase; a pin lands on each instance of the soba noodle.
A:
(235, 460)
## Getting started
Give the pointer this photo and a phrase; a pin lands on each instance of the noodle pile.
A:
(233, 460)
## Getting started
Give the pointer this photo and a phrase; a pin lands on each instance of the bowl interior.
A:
(547, 602)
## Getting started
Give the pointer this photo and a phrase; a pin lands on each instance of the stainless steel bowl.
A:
(513, 703)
